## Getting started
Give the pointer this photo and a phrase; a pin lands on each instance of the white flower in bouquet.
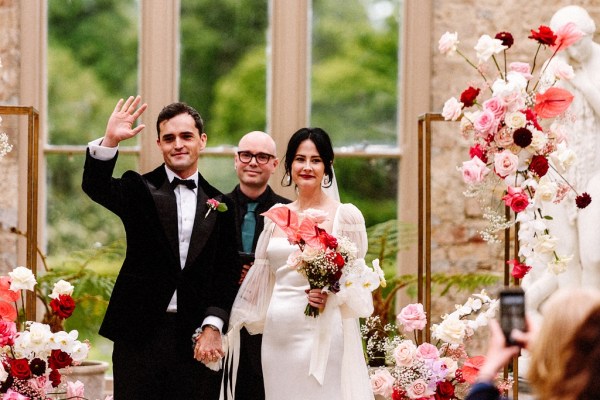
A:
(22, 278)
(61, 287)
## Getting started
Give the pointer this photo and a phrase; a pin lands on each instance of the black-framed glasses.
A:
(261, 158)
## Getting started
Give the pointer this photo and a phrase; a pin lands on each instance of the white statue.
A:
(578, 230)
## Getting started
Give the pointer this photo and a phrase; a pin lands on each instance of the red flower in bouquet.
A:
(544, 36)
(63, 306)
(519, 270)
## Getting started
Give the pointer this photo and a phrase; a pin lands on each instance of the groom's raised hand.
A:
(120, 124)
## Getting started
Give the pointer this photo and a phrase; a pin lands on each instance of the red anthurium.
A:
(552, 102)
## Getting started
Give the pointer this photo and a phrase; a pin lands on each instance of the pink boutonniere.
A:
(215, 205)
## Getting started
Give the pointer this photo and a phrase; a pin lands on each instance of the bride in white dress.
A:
(304, 357)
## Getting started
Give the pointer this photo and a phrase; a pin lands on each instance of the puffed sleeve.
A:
(355, 301)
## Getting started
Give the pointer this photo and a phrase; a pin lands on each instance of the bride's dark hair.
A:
(323, 144)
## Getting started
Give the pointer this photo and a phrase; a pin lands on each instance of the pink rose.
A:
(8, 330)
(412, 317)
(405, 353)
(496, 105)
(505, 163)
(474, 171)
(75, 389)
(419, 389)
(486, 123)
(428, 351)
(522, 68)
(382, 383)
(452, 109)
(504, 137)
(516, 199)
(12, 395)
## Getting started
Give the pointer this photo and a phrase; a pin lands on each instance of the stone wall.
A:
(9, 94)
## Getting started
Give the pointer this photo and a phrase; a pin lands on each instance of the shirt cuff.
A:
(100, 152)
(212, 320)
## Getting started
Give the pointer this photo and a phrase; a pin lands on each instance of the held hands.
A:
(120, 123)
(209, 347)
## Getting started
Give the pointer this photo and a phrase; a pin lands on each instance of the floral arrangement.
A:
(519, 149)
(440, 371)
(329, 263)
(32, 355)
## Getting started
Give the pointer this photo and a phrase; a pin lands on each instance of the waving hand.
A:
(120, 124)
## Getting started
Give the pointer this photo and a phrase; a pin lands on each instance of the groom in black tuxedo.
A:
(181, 268)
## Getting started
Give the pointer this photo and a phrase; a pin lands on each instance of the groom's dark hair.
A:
(323, 144)
(173, 110)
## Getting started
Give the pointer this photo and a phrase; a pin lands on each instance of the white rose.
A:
(447, 43)
(563, 157)
(515, 120)
(452, 109)
(451, 367)
(450, 330)
(405, 353)
(546, 190)
(538, 140)
(21, 278)
(487, 47)
(61, 287)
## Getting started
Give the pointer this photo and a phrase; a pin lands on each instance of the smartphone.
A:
(512, 312)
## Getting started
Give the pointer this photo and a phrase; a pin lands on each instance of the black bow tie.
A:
(187, 182)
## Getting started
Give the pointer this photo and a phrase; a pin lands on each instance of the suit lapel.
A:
(203, 226)
(166, 206)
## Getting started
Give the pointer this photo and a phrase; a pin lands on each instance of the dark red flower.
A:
(469, 96)
(478, 151)
(531, 116)
(506, 38)
(544, 36)
(327, 240)
(55, 377)
(37, 366)
(583, 200)
(522, 137)
(398, 394)
(63, 306)
(19, 368)
(519, 269)
(444, 391)
(539, 165)
(59, 359)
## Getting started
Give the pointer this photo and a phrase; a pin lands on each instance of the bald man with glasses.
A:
(255, 162)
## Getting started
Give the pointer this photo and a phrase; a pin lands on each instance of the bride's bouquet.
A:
(327, 262)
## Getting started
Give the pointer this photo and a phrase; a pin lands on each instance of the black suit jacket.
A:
(151, 271)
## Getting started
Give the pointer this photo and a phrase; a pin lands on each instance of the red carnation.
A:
(19, 368)
(469, 96)
(519, 269)
(543, 36)
(55, 377)
(59, 359)
(583, 200)
(506, 38)
(63, 306)
(539, 165)
(522, 137)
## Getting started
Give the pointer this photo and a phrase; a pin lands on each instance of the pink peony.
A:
(412, 317)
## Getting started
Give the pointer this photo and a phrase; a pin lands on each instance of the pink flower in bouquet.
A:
(75, 389)
(12, 395)
(382, 382)
(505, 163)
(474, 170)
(516, 199)
(6, 293)
(8, 312)
(567, 35)
(412, 317)
(427, 351)
(8, 330)
(471, 368)
(419, 389)
(405, 353)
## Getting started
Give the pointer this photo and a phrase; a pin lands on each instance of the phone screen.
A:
(512, 312)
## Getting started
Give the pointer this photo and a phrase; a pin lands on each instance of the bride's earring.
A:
(289, 180)
(326, 180)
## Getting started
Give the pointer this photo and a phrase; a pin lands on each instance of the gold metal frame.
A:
(33, 126)
(424, 250)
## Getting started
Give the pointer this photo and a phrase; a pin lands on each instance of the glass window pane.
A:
(89, 65)
(355, 69)
(223, 75)
(219, 172)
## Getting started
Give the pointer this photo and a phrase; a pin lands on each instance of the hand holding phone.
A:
(512, 313)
